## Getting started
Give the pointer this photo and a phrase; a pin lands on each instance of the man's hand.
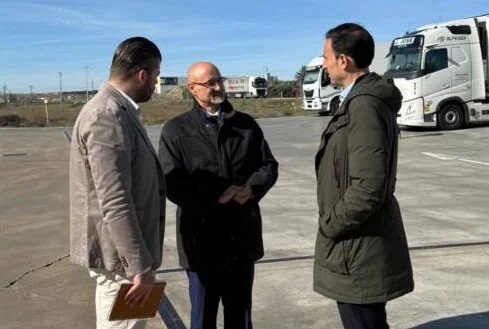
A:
(141, 289)
(240, 194)
(229, 193)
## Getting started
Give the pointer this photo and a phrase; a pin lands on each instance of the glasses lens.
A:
(211, 83)
(214, 82)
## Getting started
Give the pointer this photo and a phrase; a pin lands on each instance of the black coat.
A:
(200, 161)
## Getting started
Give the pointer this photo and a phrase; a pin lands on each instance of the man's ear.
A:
(142, 75)
(343, 59)
(190, 88)
(349, 63)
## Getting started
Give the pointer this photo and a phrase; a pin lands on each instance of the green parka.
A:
(361, 253)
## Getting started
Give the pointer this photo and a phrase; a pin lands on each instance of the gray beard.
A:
(217, 100)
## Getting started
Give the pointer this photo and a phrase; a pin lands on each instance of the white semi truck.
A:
(442, 72)
(318, 93)
(246, 86)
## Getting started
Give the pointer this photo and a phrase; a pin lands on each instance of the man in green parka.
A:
(361, 255)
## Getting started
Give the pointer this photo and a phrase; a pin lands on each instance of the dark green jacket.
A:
(361, 253)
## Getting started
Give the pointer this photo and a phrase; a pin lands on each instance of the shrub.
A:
(12, 120)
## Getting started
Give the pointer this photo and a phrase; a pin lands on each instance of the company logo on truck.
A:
(443, 39)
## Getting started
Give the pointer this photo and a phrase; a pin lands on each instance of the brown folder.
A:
(121, 311)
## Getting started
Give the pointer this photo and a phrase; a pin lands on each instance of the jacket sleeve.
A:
(199, 190)
(109, 152)
(266, 175)
(368, 164)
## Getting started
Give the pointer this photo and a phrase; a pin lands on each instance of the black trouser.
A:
(363, 316)
(231, 285)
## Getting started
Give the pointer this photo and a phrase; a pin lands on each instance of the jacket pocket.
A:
(336, 167)
(254, 249)
(332, 254)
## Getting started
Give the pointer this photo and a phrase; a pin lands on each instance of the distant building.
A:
(168, 83)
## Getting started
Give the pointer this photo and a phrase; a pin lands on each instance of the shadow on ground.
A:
(466, 321)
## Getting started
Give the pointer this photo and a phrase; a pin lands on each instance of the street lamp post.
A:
(86, 73)
(46, 107)
(60, 91)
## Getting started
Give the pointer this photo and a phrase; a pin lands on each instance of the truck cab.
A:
(441, 71)
(258, 86)
(319, 94)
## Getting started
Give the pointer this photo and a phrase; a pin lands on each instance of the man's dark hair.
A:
(134, 54)
(353, 40)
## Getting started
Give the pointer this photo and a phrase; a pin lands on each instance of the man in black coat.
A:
(217, 166)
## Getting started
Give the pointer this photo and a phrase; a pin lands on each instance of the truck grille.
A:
(308, 93)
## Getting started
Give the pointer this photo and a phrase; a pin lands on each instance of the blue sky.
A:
(38, 39)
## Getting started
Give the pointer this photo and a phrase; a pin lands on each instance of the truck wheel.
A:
(450, 117)
(335, 105)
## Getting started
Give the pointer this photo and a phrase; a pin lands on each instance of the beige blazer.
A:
(117, 189)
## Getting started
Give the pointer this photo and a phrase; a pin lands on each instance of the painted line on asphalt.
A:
(403, 136)
(446, 157)
(439, 156)
(473, 161)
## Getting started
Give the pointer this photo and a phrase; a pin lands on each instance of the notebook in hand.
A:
(121, 311)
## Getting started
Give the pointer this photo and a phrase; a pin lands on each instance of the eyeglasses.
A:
(211, 83)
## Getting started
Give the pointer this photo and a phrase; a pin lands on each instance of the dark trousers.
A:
(363, 316)
(231, 285)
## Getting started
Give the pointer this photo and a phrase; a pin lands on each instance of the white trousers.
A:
(107, 286)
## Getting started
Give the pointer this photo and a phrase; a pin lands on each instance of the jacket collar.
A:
(227, 111)
(119, 98)
(132, 112)
(351, 93)
(126, 96)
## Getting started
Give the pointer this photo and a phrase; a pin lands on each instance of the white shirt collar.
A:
(345, 93)
(215, 114)
(127, 97)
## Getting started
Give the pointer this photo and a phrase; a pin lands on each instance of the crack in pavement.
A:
(35, 269)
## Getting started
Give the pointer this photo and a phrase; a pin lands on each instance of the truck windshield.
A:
(259, 83)
(311, 76)
(405, 55)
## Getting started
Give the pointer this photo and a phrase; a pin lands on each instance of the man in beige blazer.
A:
(117, 190)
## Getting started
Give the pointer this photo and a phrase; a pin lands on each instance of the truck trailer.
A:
(442, 72)
(246, 86)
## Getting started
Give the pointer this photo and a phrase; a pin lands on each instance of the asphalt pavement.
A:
(443, 184)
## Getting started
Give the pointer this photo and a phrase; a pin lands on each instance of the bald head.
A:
(202, 71)
(206, 85)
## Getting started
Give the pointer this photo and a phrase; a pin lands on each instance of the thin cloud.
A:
(63, 16)
(51, 15)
